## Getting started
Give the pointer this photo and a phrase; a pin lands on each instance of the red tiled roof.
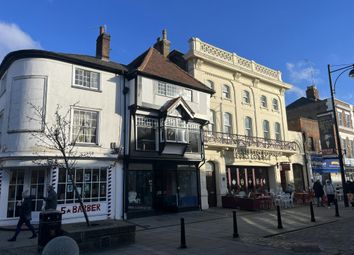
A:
(152, 63)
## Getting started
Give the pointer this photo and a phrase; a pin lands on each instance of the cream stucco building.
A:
(247, 144)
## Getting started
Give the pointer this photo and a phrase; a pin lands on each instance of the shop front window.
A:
(91, 185)
(243, 180)
(139, 187)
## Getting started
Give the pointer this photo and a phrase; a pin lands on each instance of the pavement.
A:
(211, 232)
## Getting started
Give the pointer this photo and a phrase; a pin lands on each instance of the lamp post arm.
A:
(340, 155)
(343, 71)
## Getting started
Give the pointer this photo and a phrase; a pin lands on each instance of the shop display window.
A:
(91, 185)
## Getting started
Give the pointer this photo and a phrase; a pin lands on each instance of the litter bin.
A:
(49, 227)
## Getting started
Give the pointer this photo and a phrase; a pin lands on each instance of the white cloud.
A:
(303, 71)
(13, 38)
(297, 91)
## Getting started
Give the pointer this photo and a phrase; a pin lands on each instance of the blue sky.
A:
(299, 38)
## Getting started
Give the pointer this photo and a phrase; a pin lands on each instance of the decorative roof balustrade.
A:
(197, 46)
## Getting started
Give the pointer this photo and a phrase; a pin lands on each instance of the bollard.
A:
(280, 225)
(235, 235)
(336, 206)
(312, 214)
(183, 235)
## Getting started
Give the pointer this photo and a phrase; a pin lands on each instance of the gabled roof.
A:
(152, 64)
(83, 60)
(174, 103)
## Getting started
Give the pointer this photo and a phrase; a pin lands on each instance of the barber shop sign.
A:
(75, 210)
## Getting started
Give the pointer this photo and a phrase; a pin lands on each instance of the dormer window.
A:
(87, 79)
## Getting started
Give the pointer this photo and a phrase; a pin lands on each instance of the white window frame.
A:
(246, 97)
(340, 118)
(188, 95)
(227, 123)
(97, 125)
(275, 104)
(91, 71)
(277, 131)
(210, 84)
(226, 92)
(264, 102)
(147, 122)
(248, 128)
(347, 120)
(211, 125)
(266, 129)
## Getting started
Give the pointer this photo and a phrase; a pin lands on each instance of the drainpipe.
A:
(125, 92)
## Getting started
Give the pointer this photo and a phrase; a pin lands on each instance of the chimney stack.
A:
(312, 93)
(103, 45)
(163, 45)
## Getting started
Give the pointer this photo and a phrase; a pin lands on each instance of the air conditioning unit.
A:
(117, 149)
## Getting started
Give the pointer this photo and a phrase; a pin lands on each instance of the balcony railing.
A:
(248, 141)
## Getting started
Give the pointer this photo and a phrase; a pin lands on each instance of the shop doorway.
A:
(211, 183)
(33, 180)
(299, 181)
(175, 187)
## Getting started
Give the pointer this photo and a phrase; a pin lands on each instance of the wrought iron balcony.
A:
(242, 141)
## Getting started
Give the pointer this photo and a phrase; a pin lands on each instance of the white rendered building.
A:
(88, 87)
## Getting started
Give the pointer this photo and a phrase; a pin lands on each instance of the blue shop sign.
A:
(325, 165)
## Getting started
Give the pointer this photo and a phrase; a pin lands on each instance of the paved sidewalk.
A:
(210, 232)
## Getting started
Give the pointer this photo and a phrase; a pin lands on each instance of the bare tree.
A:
(55, 139)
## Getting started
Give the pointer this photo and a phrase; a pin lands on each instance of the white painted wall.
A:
(58, 78)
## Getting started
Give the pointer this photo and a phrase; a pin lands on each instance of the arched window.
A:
(277, 131)
(210, 84)
(248, 126)
(246, 97)
(226, 91)
(264, 103)
(275, 104)
(227, 127)
(211, 126)
(266, 132)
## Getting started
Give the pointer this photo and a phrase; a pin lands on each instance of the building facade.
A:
(247, 143)
(166, 110)
(313, 116)
(87, 92)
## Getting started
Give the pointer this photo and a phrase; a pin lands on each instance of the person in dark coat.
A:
(25, 216)
(318, 189)
(51, 200)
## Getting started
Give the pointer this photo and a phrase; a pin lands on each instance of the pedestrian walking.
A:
(318, 189)
(330, 192)
(51, 200)
(25, 216)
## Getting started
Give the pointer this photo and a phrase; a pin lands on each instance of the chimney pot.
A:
(102, 30)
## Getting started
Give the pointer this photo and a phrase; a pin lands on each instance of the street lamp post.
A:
(333, 92)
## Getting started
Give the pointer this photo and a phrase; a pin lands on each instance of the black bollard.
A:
(336, 206)
(280, 224)
(312, 214)
(235, 225)
(183, 235)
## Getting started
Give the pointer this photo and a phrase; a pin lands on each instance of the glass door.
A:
(165, 188)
